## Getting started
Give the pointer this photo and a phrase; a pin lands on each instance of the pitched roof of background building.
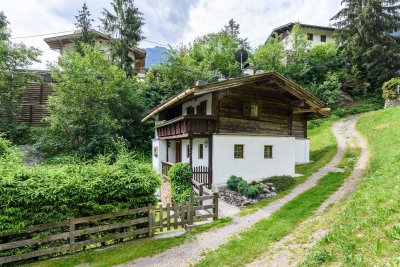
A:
(288, 27)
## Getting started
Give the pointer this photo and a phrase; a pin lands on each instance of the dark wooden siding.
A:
(274, 115)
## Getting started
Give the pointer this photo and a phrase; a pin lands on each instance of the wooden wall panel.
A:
(274, 113)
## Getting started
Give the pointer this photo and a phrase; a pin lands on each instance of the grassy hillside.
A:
(367, 232)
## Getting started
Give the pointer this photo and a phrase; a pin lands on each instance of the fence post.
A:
(215, 200)
(201, 193)
(190, 210)
(72, 235)
(150, 207)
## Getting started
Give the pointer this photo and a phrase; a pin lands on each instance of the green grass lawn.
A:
(367, 231)
(250, 244)
(323, 147)
(128, 251)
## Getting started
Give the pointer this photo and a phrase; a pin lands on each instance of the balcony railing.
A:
(184, 126)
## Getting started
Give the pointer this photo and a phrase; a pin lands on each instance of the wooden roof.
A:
(268, 78)
(57, 42)
(288, 27)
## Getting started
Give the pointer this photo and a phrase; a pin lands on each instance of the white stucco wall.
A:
(195, 153)
(162, 148)
(316, 37)
(253, 166)
(196, 101)
(302, 150)
(104, 45)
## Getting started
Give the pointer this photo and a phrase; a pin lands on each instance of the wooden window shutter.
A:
(246, 109)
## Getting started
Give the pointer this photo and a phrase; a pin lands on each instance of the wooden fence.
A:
(202, 175)
(76, 234)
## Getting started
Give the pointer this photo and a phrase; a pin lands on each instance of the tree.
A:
(125, 24)
(270, 56)
(15, 59)
(207, 58)
(84, 25)
(94, 105)
(366, 32)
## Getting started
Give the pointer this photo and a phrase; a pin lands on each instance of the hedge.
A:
(179, 177)
(52, 193)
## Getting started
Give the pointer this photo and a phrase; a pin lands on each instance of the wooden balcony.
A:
(188, 125)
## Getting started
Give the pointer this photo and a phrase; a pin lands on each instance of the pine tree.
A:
(367, 34)
(84, 25)
(125, 25)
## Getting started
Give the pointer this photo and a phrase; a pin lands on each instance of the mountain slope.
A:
(155, 55)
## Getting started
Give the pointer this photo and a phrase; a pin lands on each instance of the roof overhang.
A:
(288, 27)
(273, 78)
(57, 42)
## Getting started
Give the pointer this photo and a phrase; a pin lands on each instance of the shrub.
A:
(281, 183)
(253, 191)
(389, 89)
(50, 193)
(4, 146)
(179, 177)
(233, 182)
(242, 187)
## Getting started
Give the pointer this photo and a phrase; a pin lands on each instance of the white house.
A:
(65, 44)
(254, 127)
(315, 34)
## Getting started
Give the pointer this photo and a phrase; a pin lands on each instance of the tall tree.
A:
(93, 105)
(15, 59)
(125, 24)
(366, 32)
(84, 25)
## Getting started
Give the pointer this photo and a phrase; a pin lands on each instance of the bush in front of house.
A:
(56, 192)
(180, 176)
(281, 183)
(233, 182)
(239, 185)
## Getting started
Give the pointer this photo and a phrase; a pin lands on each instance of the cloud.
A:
(168, 21)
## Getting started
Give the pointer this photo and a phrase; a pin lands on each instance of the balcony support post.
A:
(167, 150)
(190, 151)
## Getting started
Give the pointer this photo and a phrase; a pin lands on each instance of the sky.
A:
(167, 22)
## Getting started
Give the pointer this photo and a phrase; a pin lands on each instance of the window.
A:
(268, 152)
(202, 108)
(238, 152)
(155, 151)
(190, 110)
(200, 151)
(310, 36)
(254, 110)
(323, 38)
(187, 151)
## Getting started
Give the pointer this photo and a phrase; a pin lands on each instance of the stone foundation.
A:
(166, 196)
(392, 102)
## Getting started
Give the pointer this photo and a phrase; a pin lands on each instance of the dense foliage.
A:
(55, 192)
(237, 184)
(179, 178)
(318, 68)
(94, 106)
(281, 183)
(390, 89)
(367, 33)
(124, 22)
(209, 57)
(14, 60)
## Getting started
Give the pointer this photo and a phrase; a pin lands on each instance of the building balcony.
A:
(185, 126)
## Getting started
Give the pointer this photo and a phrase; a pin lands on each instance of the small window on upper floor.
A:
(254, 110)
(202, 108)
(190, 110)
(310, 36)
(323, 38)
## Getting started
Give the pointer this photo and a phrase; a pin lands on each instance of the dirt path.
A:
(191, 252)
(291, 249)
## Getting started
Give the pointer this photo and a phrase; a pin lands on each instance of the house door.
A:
(178, 151)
